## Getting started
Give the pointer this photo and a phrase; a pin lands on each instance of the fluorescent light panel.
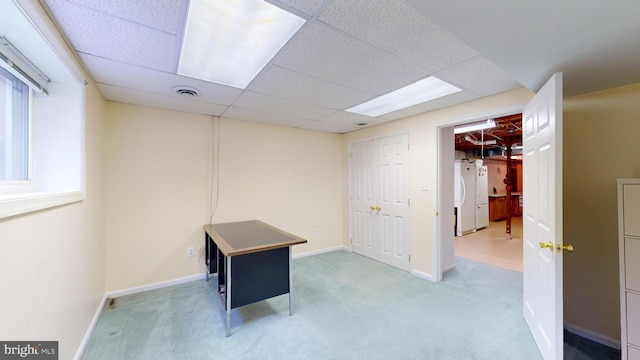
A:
(424, 90)
(475, 126)
(229, 42)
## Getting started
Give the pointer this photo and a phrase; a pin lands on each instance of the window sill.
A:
(17, 204)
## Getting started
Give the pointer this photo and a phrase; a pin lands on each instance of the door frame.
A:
(409, 186)
(443, 201)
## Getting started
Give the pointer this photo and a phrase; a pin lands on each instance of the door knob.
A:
(546, 245)
(378, 208)
(372, 207)
(561, 247)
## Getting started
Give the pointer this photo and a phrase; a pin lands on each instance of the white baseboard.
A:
(92, 326)
(429, 277)
(422, 275)
(447, 268)
(593, 336)
(322, 251)
(158, 285)
(123, 292)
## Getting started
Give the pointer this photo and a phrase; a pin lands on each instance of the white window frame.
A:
(56, 121)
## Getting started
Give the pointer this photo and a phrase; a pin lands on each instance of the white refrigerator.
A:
(464, 191)
(482, 198)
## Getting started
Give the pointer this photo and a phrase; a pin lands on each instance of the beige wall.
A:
(290, 178)
(159, 166)
(52, 265)
(601, 132)
(156, 193)
(423, 152)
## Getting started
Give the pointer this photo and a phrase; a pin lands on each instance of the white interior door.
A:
(393, 211)
(362, 204)
(380, 209)
(542, 218)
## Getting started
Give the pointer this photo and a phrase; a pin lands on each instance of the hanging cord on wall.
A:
(215, 166)
(215, 179)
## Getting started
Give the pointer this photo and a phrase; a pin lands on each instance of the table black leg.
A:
(290, 285)
(207, 254)
(228, 294)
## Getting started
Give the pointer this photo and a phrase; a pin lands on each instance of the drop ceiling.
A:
(347, 52)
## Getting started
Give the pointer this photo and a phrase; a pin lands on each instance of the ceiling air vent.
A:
(185, 91)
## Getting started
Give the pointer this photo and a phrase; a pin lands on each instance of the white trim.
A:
(447, 268)
(17, 204)
(504, 111)
(593, 336)
(423, 275)
(92, 326)
(322, 251)
(154, 286)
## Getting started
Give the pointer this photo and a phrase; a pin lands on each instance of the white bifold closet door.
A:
(380, 216)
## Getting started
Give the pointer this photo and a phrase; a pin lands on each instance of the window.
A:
(14, 128)
(42, 111)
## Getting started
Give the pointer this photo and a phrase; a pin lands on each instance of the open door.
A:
(542, 218)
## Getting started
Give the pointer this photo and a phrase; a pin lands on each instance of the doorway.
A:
(492, 148)
(484, 149)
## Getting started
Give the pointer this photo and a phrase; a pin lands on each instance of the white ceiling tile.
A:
(285, 83)
(449, 100)
(309, 7)
(118, 39)
(348, 118)
(394, 26)
(132, 77)
(324, 53)
(480, 76)
(165, 15)
(328, 127)
(271, 104)
(402, 113)
(130, 96)
(262, 117)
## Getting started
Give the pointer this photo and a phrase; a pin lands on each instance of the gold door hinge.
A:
(409, 258)
(409, 202)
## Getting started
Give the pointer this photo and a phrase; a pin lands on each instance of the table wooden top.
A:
(244, 237)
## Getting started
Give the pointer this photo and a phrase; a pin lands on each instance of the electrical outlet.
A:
(191, 251)
(318, 232)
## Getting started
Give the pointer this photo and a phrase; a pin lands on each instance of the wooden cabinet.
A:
(498, 206)
(629, 248)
